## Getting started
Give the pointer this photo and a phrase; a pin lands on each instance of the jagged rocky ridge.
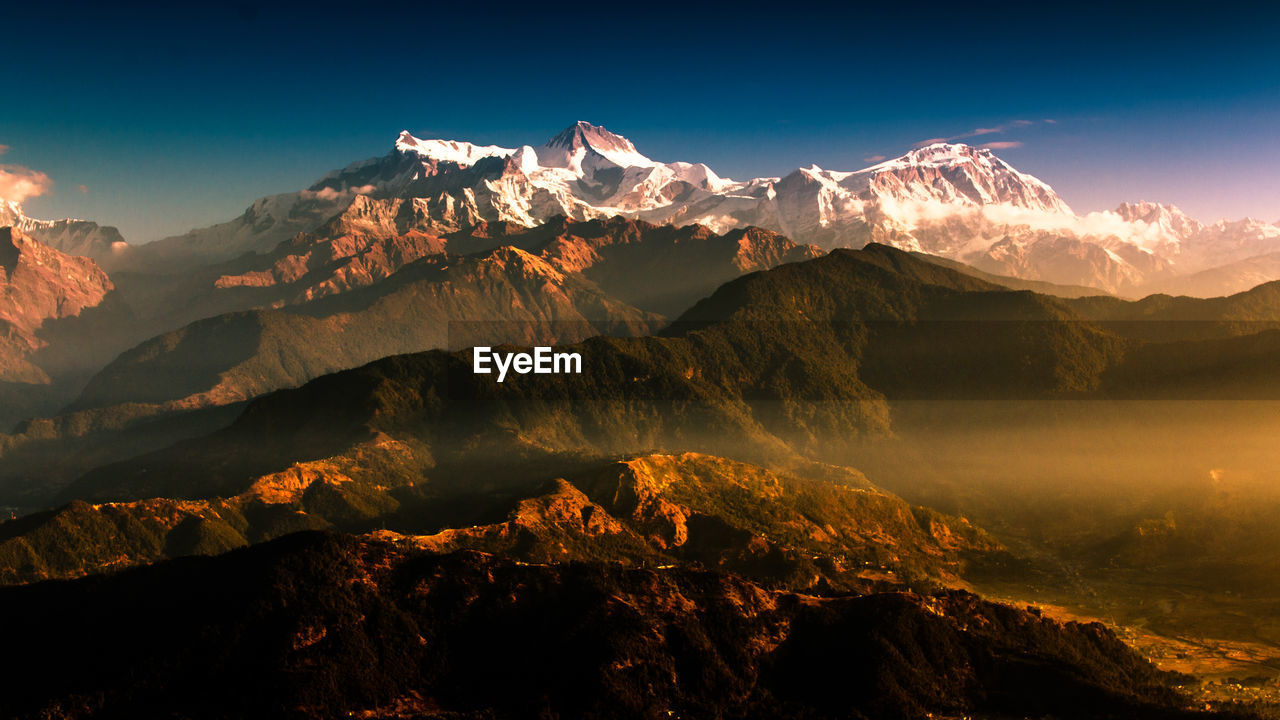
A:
(817, 527)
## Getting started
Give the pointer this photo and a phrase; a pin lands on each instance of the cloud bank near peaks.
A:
(17, 183)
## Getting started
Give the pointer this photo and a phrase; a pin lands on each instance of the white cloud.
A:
(1002, 145)
(333, 194)
(18, 183)
(979, 132)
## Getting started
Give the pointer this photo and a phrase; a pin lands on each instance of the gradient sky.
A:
(157, 121)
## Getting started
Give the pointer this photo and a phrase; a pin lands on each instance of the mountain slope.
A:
(1234, 277)
(1014, 283)
(823, 527)
(657, 268)
(804, 359)
(83, 238)
(39, 284)
(819, 527)
(263, 225)
(242, 355)
(363, 293)
(311, 625)
(1162, 318)
(795, 359)
(350, 308)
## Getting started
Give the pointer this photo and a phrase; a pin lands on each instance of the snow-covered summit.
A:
(934, 155)
(69, 235)
(959, 173)
(462, 153)
(579, 141)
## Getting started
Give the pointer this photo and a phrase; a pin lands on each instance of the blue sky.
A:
(177, 118)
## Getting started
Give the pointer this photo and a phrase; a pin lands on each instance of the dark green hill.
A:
(925, 330)
(1246, 367)
(1165, 318)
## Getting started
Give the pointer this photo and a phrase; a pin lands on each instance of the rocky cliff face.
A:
(103, 244)
(38, 284)
(659, 268)
(824, 528)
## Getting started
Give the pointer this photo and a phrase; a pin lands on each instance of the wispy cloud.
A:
(18, 183)
(1002, 145)
(873, 158)
(979, 132)
(931, 141)
(84, 189)
(4, 149)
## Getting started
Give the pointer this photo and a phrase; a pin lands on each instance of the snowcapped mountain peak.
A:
(67, 235)
(584, 134)
(10, 213)
(1169, 218)
(959, 173)
(936, 154)
(455, 151)
(574, 143)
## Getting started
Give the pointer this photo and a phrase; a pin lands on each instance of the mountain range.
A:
(360, 224)
(74, 237)
(683, 518)
(949, 200)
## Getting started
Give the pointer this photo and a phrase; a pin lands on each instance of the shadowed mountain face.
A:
(770, 365)
(658, 268)
(911, 327)
(231, 358)
(368, 286)
(315, 625)
(242, 355)
(805, 358)
(52, 306)
(39, 284)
